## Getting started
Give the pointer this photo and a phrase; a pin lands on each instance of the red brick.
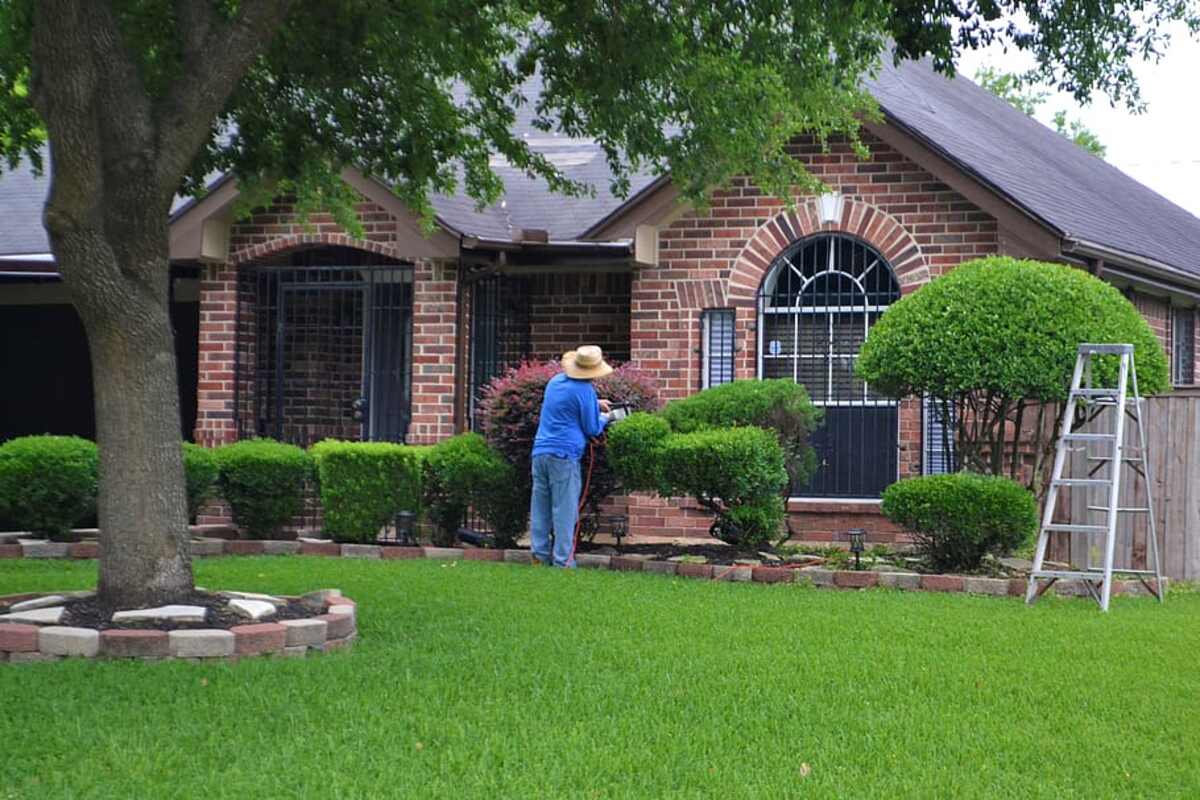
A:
(84, 550)
(324, 549)
(941, 583)
(482, 554)
(263, 637)
(393, 553)
(1017, 586)
(134, 643)
(244, 548)
(694, 570)
(16, 638)
(625, 564)
(772, 575)
(10, 551)
(338, 626)
(851, 579)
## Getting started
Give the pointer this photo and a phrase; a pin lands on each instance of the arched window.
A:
(816, 307)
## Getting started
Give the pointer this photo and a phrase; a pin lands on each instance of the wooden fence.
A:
(1172, 424)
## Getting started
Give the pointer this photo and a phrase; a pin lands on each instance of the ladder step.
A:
(1081, 482)
(1122, 510)
(1089, 437)
(1095, 393)
(1063, 573)
(1069, 528)
(1117, 570)
(1106, 349)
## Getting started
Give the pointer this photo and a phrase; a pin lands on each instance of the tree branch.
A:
(213, 64)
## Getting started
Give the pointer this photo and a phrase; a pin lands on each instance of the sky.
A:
(1158, 148)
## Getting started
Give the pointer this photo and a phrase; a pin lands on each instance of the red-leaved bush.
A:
(510, 406)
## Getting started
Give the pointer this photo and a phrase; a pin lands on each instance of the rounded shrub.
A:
(1007, 326)
(779, 405)
(957, 520)
(634, 446)
(463, 473)
(48, 483)
(736, 473)
(200, 475)
(263, 481)
(363, 484)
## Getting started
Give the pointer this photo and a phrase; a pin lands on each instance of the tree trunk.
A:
(142, 508)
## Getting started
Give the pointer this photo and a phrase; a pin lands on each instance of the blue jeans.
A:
(554, 506)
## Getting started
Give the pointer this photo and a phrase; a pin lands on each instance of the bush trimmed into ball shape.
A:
(200, 473)
(957, 520)
(737, 473)
(778, 405)
(364, 484)
(263, 481)
(48, 483)
(634, 446)
(1008, 326)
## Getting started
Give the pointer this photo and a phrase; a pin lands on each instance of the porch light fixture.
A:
(405, 521)
(830, 207)
(858, 539)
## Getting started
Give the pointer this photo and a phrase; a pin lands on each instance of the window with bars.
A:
(937, 437)
(1183, 346)
(716, 346)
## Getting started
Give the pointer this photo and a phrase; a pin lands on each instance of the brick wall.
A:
(570, 309)
(276, 236)
(718, 258)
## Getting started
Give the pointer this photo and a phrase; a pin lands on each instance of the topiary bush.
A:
(200, 476)
(510, 408)
(48, 483)
(263, 481)
(463, 473)
(997, 338)
(736, 473)
(957, 520)
(780, 405)
(363, 484)
(634, 450)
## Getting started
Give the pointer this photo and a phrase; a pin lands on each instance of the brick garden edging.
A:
(334, 629)
(823, 578)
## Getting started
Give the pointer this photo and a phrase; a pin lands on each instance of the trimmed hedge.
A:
(634, 446)
(48, 483)
(737, 473)
(263, 482)
(778, 405)
(363, 484)
(957, 520)
(200, 472)
(463, 472)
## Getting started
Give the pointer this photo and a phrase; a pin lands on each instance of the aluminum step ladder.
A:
(1115, 460)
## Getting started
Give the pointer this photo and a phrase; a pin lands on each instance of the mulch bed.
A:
(88, 613)
(714, 553)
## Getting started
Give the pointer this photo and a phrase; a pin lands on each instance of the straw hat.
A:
(585, 363)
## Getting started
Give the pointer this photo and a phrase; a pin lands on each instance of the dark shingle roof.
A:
(1043, 172)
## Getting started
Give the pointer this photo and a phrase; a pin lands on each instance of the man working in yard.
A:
(571, 414)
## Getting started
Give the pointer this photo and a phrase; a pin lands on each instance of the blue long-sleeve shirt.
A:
(570, 416)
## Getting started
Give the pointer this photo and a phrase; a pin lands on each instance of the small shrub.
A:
(263, 481)
(634, 446)
(48, 483)
(200, 474)
(956, 520)
(781, 406)
(736, 473)
(363, 484)
(463, 472)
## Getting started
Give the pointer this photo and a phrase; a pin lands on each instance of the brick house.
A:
(299, 332)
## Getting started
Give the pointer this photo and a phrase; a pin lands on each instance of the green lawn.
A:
(497, 681)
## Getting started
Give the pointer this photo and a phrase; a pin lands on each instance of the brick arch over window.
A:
(297, 241)
(861, 220)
